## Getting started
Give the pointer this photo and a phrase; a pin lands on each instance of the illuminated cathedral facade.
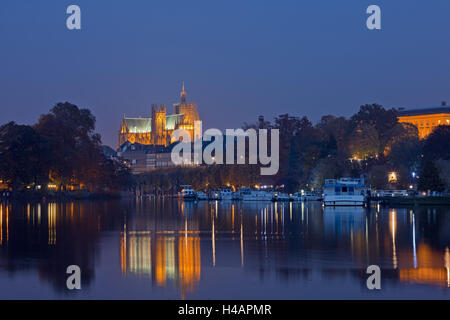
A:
(158, 129)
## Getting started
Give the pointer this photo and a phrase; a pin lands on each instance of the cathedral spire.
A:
(183, 94)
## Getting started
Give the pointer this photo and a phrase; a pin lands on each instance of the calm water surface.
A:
(168, 249)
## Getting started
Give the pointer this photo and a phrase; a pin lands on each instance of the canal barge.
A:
(345, 192)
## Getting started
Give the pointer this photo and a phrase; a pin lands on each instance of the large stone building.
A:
(426, 120)
(158, 129)
(144, 158)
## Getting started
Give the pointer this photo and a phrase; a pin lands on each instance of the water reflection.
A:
(174, 258)
(209, 249)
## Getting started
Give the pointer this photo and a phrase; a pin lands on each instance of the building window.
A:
(351, 190)
(337, 190)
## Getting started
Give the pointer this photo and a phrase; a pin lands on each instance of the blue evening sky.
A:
(238, 58)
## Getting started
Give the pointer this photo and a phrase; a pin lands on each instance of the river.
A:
(156, 248)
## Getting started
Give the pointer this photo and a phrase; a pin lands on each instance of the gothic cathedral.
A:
(158, 129)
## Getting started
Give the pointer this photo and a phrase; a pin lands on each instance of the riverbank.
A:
(35, 196)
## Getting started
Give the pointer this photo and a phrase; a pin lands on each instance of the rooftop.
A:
(145, 124)
(424, 111)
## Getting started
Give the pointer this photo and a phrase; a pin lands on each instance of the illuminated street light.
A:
(392, 177)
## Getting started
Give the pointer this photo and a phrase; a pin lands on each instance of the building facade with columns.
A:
(426, 120)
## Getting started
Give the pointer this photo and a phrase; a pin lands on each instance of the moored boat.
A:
(279, 196)
(297, 196)
(202, 195)
(215, 195)
(345, 192)
(255, 195)
(312, 196)
(236, 196)
(188, 194)
(226, 194)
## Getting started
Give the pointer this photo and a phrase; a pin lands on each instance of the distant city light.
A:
(392, 176)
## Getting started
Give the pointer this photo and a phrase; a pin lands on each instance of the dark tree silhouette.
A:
(24, 156)
(429, 178)
(436, 145)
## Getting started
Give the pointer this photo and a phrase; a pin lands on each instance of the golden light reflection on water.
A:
(1, 225)
(7, 223)
(232, 218)
(447, 265)
(163, 258)
(51, 223)
(189, 263)
(393, 229)
(164, 244)
(213, 239)
(432, 269)
(242, 243)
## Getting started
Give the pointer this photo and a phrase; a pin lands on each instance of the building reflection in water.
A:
(164, 256)
(52, 223)
(393, 229)
(420, 264)
(213, 236)
(432, 268)
(174, 243)
(170, 253)
(4, 224)
(411, 261)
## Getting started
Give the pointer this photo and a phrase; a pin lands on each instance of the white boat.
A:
(226, 194)
(202, 196)
(312, 196)
(215, 195)
(345, 192)
(279, 196)
(296, 197)
(255, 195)
(236, 196)
(188, 194)
(391, 193)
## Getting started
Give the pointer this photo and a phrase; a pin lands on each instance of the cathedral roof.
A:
(145, 124)
(138, 124)
(172, 120)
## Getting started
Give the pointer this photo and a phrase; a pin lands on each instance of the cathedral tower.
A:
(159, 135)
(188, 109)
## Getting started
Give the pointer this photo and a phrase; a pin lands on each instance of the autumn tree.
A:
(76, 148)
(24, 156)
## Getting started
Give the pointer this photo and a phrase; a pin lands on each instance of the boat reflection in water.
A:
(419, 263)
(165, 248)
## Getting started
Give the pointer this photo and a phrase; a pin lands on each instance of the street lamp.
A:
(392, 176)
